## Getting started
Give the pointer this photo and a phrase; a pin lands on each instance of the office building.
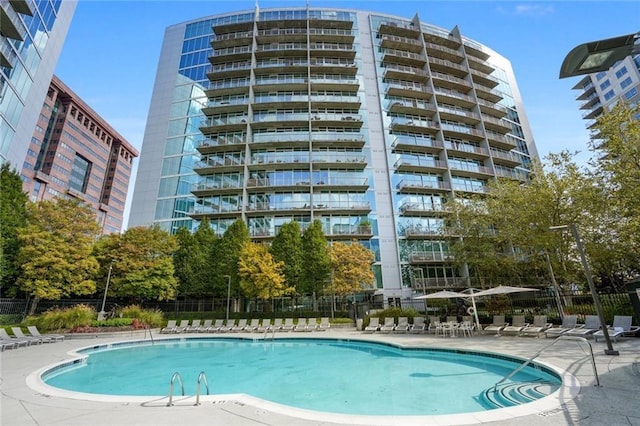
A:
(31, 37)
(601, 91)
(74, 153)
(364, 121)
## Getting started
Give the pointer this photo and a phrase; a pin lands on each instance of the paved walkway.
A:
(615, 402)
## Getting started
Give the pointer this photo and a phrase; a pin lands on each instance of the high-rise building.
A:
(74, 153)
(32, 34)
(601, 91)
(363, 121)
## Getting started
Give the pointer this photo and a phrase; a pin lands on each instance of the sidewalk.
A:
(615, 402)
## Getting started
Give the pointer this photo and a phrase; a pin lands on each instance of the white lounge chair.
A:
(621, 326)
(540, 325)
(193, 328)
(182, 327)
(497, 325)
(228, 326)
(36, 333)
(374, 325)
(239, 326)
(312, 324)
(301, 325)
(253, 326)
(389, 325)
(324, 324)
(277, 324)
(265, 326)
(170, 328)
(586, 330)
(433, 324)
(569, 322)
(7, 344)
(17, 340)
(217, 325)
(17, 331)
(419, 325)
(403, 325)
(204, 327)
(288, 325)
(518, 323)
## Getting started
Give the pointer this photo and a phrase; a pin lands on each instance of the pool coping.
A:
(567, 391)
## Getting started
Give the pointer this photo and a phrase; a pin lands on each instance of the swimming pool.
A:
(326, 375)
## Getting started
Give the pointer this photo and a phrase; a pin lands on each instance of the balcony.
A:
(275, 83)
(448, 67)
(506, 158)
(279, 119)
(419, 164)
(474, 189)
(404, 72)
(492, 108)
(208, 145)
(345, 207)
(266, 100)
(470, 170)
(414, 90)
(484, 79)
(220, 124)
(403, 57)
(329, 65)
(500, 141)
(491, 95)
(279, 50)
(333, 82)
(429, 257)
(511, 174)
(228, 54)
(277, 139)
(342, 184)
(468, 150)
(422, 209)
(480, 65)
(229, 70)
(458, 131)
(330, 119)
(416, 144)
(232, 39)
(219, 164)
(334, 101)
(337, 140)
(413, 106)
(343, 160)
(227, 87)
(496, 124)
(10, 23)
(422, 232)
(285, 183)
(419, 185)
(400, 29)
(335, 50)
(349, 232)
(227, 105)
(389, 41)
(451, 82)
(459, 114)
(454, 97)
(439, 282)
(211, 187)
(446, 53)
(331, 34)
(273, 160)
(281, 35)
(410, 124)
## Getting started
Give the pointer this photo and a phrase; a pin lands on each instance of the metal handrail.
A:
(201, 377)
(175, 376)
(534, 356)
(150, 335)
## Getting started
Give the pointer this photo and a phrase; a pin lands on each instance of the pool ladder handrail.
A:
(148, 328)
(175, 376)
(201, 377)
(273, 332)
(537, 354)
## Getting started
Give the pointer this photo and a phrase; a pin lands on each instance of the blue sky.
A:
(111, 52)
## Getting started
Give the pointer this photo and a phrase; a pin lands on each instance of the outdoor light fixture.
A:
(599, 55)
(587, 272)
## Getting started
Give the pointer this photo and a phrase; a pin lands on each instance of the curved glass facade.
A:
(366, 122)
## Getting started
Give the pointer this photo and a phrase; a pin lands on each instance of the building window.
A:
(600, 75)
(624, 83)
(608, 95)
(80, 173)
(631, 93)
(622, 71)
(604, 85)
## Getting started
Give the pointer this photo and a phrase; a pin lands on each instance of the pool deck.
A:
(615, 402)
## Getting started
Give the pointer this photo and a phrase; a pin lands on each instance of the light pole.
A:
(102, 313)
(587, 272)
(228, 296)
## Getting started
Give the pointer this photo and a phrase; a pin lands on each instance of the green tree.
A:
(194, 260)
(13, 215)
(286, 247)
(141, 260)
(227, 255)
(261, 276)
(317, 264)
(56, 250)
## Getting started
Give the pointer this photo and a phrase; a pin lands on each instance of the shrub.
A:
(112, 322)
(58, 319)
(150, 317)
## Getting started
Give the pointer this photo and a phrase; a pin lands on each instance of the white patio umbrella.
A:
(445, 294)
(502, 289)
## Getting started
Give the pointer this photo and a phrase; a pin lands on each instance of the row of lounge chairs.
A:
(420, 325)
(19, 339)
(244, 325)
(569, 327)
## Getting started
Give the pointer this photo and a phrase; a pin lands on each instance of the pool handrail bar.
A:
(201, 377)
(150, 335)
(175, 376)
(537, 354)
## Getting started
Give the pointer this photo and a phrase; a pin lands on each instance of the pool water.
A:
(327, 375)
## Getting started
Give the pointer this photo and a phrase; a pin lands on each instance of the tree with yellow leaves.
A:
(261, 277)
(351, 268)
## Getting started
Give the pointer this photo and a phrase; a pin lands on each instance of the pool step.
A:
(511, 394)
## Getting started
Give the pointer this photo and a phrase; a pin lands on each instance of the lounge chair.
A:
(621, 326)
(586, 330)
(518, 323)
(288, 325)
(170, 328)
(253, 326)
(403, 325)
(36, 333)
(324, 324)
(312, 324)
(17, 340)
(497, 325)
(239, 326)
(540, 325)
(204, 327)
(17, 331)
(217, 325)
(182, 327)
(374, 325)
(419, 325)
(228, 326)
(193, 328)
(265, 326)
(388, 326)
(7, 344)
(433, 324)
(569, 322)
(301, 325)
(277, 324)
